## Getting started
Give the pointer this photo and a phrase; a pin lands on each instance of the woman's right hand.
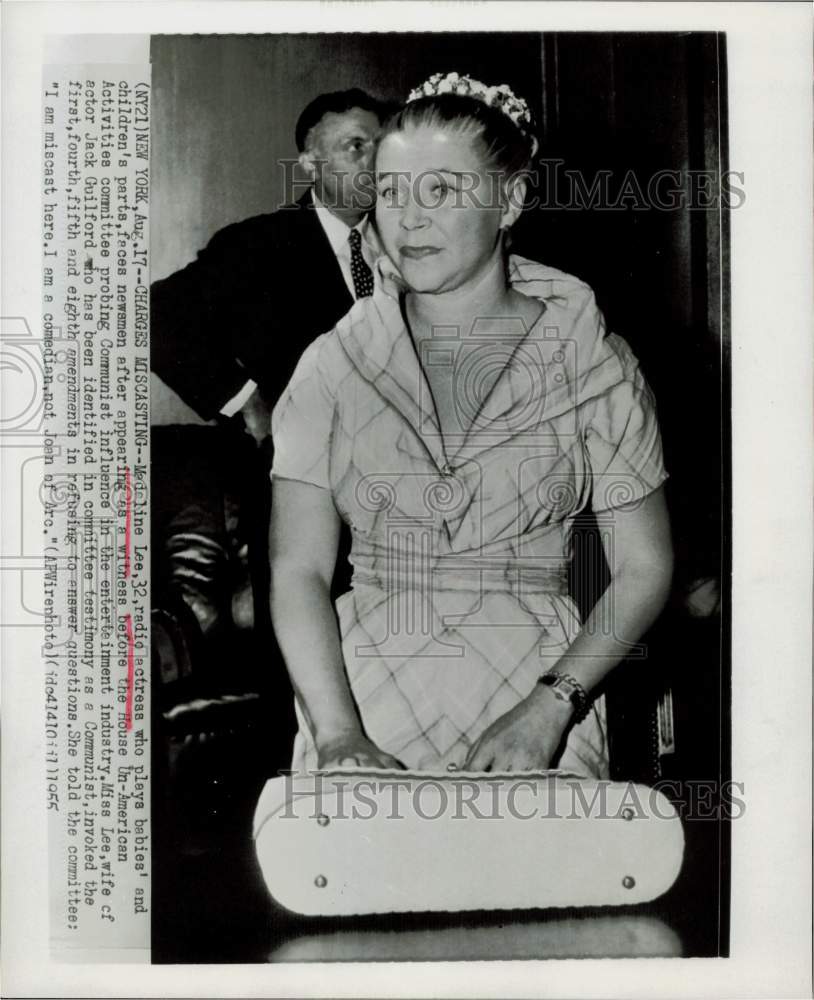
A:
(354, 750)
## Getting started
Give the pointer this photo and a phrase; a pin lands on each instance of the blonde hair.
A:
(503, 145)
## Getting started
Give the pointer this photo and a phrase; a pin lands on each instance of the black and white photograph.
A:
(440, 343)
(406, 499)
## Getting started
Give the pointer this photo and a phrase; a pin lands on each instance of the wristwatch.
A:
(567, 688)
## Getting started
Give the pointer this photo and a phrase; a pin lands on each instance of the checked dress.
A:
(461, 545)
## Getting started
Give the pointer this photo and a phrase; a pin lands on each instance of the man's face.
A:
(339, 157)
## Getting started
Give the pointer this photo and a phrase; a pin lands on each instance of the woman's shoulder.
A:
(367, 334)
(623, 353)
(358, 337)
(321, 361)
(571, 308)
(570, 305)
(549, 284)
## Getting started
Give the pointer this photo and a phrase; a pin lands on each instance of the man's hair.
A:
(336, 102)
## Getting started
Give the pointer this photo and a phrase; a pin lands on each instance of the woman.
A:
(458, 420)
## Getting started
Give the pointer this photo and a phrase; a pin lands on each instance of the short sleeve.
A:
(622, 437)
(302, 422)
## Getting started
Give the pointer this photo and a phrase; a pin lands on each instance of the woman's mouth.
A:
(418, 253)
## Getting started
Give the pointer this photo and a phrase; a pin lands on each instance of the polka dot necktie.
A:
(361, 273)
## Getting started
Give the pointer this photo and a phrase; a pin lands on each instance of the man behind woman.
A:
(458, 420)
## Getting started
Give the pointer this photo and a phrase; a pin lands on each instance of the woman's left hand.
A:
(525, 738)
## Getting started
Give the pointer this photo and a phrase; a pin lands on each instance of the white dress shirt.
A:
(338, 234)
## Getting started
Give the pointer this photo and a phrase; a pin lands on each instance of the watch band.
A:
(568, 688)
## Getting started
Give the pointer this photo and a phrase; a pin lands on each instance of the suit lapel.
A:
(320, 269)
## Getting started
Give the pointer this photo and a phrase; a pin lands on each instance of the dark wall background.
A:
(640, 104)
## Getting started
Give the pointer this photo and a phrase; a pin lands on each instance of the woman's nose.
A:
(413, 215)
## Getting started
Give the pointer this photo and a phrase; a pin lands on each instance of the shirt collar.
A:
(335, 229)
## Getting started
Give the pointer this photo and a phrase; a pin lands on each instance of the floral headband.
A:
(501, 97)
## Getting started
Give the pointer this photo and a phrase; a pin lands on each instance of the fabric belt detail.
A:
(472, 575)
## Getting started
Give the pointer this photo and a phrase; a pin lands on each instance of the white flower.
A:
(501, 96)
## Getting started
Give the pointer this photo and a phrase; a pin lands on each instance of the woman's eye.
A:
(439, 190)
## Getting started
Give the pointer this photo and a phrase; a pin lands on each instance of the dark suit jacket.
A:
(247, 307)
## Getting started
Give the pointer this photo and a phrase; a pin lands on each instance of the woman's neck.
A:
(488, 295)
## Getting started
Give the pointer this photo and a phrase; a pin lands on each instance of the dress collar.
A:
(375, 337)
(565, 347)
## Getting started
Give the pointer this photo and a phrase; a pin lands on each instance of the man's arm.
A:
(192, 340)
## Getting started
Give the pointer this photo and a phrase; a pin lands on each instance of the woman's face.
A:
(438, 209)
